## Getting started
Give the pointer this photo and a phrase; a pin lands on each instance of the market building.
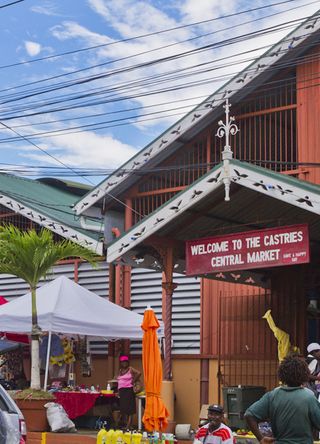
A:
(189, 184)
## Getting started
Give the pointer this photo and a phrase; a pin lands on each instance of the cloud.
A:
(86, 149)
(126, 19)
(47, 8)
(177, 80)
(32, 48)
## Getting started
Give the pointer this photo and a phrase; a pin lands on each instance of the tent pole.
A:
(47, 362)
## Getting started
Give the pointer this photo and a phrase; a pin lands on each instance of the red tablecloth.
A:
(77, 403)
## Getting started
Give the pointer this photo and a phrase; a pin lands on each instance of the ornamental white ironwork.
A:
(227, 129)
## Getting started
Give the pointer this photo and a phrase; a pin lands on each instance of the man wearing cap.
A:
(313, 361)
(215, 432)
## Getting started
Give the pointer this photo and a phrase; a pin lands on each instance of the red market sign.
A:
(272, 247)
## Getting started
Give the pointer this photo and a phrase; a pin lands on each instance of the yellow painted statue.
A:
(283, 338)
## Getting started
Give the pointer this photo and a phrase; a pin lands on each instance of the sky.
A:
(85, 84)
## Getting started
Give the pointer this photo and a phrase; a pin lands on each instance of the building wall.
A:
(308, 101)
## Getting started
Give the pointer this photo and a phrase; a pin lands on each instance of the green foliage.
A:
(31, 394)
(30, 255)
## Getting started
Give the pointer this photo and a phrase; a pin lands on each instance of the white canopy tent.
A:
(64, 306)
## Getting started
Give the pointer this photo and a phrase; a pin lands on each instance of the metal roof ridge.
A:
(28, 209)
(210, 104)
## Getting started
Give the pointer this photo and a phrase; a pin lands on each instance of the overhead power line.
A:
(268, 86)
(141, 36)
(151, 63)
(161, 76)
(10, 4)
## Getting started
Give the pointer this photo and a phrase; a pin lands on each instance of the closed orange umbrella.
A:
(155, 413)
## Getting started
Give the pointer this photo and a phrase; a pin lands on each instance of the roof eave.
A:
(276, 185)
(199, 117)
(52, 224)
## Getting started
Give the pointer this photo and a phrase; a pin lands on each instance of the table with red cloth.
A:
(78, 403)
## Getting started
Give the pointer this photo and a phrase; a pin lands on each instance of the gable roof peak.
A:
(238, 87)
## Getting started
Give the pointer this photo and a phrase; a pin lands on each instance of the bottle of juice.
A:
(110, 433)
(136, 437)
(102, 435)
(114, 436)
(127, 437)
(144, 439)
(118, 437)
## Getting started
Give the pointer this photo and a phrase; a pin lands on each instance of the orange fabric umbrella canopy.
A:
(155, 413)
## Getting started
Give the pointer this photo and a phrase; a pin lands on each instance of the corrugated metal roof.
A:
(260, 198)
(287, 49)
(48, 206)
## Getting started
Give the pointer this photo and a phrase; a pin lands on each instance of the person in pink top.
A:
(126, 378)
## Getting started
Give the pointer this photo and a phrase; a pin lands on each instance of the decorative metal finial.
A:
(226, 129)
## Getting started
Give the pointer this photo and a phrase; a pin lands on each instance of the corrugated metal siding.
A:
(146, 289)
(94, 279)
(11, 286)
(97, 281)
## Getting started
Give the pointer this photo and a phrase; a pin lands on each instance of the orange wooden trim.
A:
(208, 147)
(266, 111)
(160, 191)
(76, 270)
(13, 213)
(128, 214)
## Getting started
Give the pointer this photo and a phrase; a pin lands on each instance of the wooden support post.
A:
(168, 286)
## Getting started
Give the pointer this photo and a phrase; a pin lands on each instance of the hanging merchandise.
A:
(83, 356)
(14, 363)
(66, 357)
(56, 350)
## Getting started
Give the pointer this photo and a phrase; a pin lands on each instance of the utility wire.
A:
(5, 116)
(134, 118)
(10, 4)
(85, 80)
(151, 33)
(66, 166)
(159, 76)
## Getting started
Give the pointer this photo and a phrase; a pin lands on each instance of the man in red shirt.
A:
(215, 432)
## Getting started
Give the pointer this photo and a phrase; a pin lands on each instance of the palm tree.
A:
(30, 256)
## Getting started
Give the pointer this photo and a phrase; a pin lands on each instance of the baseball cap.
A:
(215, 408)
(124, 358)
(314, 346)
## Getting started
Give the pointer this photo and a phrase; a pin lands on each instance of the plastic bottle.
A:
(155, 438)
(110, 434)
(127, 437)
(113, 437)
(102, 435)
(136, 437)
(117, 437)
(144, 439)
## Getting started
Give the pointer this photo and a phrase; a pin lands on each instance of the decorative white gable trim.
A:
(55, 226)
(269, 58)
(258, 179)
(165, 214)
(277, 187)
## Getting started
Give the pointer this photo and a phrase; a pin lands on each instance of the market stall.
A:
(65, 307)
(79, 403)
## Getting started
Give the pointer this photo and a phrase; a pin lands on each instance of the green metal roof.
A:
(254, 191)
(47, 205)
